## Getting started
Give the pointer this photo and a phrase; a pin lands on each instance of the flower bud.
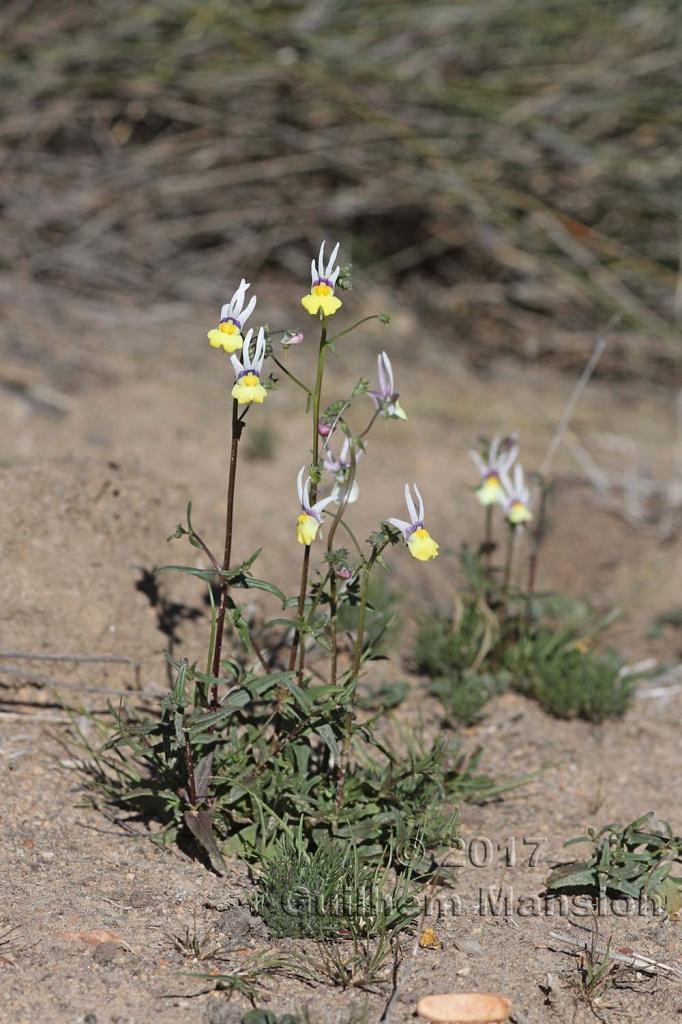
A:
(343, 572)
(324, 429)
(292, 338)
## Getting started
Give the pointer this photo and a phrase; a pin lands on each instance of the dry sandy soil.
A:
(110, 420)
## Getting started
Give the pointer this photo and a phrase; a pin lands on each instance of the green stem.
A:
(365, 432)
(313, 495)
(237, 427)
(292, 376)
(511, 537)
(374, 316)
(349, 717)
(488, 545)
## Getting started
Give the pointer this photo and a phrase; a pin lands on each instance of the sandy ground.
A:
(111, 419)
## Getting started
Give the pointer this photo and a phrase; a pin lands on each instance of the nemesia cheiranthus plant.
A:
(278, 698)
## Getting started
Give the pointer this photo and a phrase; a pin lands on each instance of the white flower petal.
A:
(246, 313)
(410, 504)
(332, 259)
(321, 505)
(421, 504)
(478, 461)
(401, 525)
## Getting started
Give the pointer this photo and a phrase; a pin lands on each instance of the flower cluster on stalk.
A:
(248, 389)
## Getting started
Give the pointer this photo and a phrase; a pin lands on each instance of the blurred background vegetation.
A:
(506, 164)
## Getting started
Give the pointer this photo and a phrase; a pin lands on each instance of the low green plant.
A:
(268, 1017)
(635, 860)
(539, 645)
(246, 976)
(381, 615)
(465, 697)
(596, 972)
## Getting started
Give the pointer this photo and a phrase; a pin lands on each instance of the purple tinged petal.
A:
(421, 504)
(410, 504)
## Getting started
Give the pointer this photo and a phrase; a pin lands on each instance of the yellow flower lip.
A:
(306, 528)
(491, 490)
(326, 303)
(229, 340)
(519, 513)
(421, 544)
(248, 388)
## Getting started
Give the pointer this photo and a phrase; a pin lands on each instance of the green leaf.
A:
(203, 574)
(201, 826)
(326, 734)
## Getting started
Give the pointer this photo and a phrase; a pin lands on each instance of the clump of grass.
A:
(573, 683)
(325, 891)
(446, 648)
(195, 943)
(300, 894)
(596, 973)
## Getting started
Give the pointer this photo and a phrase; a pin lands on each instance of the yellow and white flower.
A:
(421, 544)
(310, 519)
(516, 499)
(341, 470)
(321, 298)
(386, 397)
(248, 387)
(500, 458)
(233, 316)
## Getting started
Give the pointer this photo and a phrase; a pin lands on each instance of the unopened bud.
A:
(292, 338)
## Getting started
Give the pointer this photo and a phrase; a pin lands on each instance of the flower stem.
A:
(237, 427)
(488, 544)
(354, 673)
(373, 316)
(511, 537)
(317, 393)
(333, 607)
(292, 376)
(537, 537)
